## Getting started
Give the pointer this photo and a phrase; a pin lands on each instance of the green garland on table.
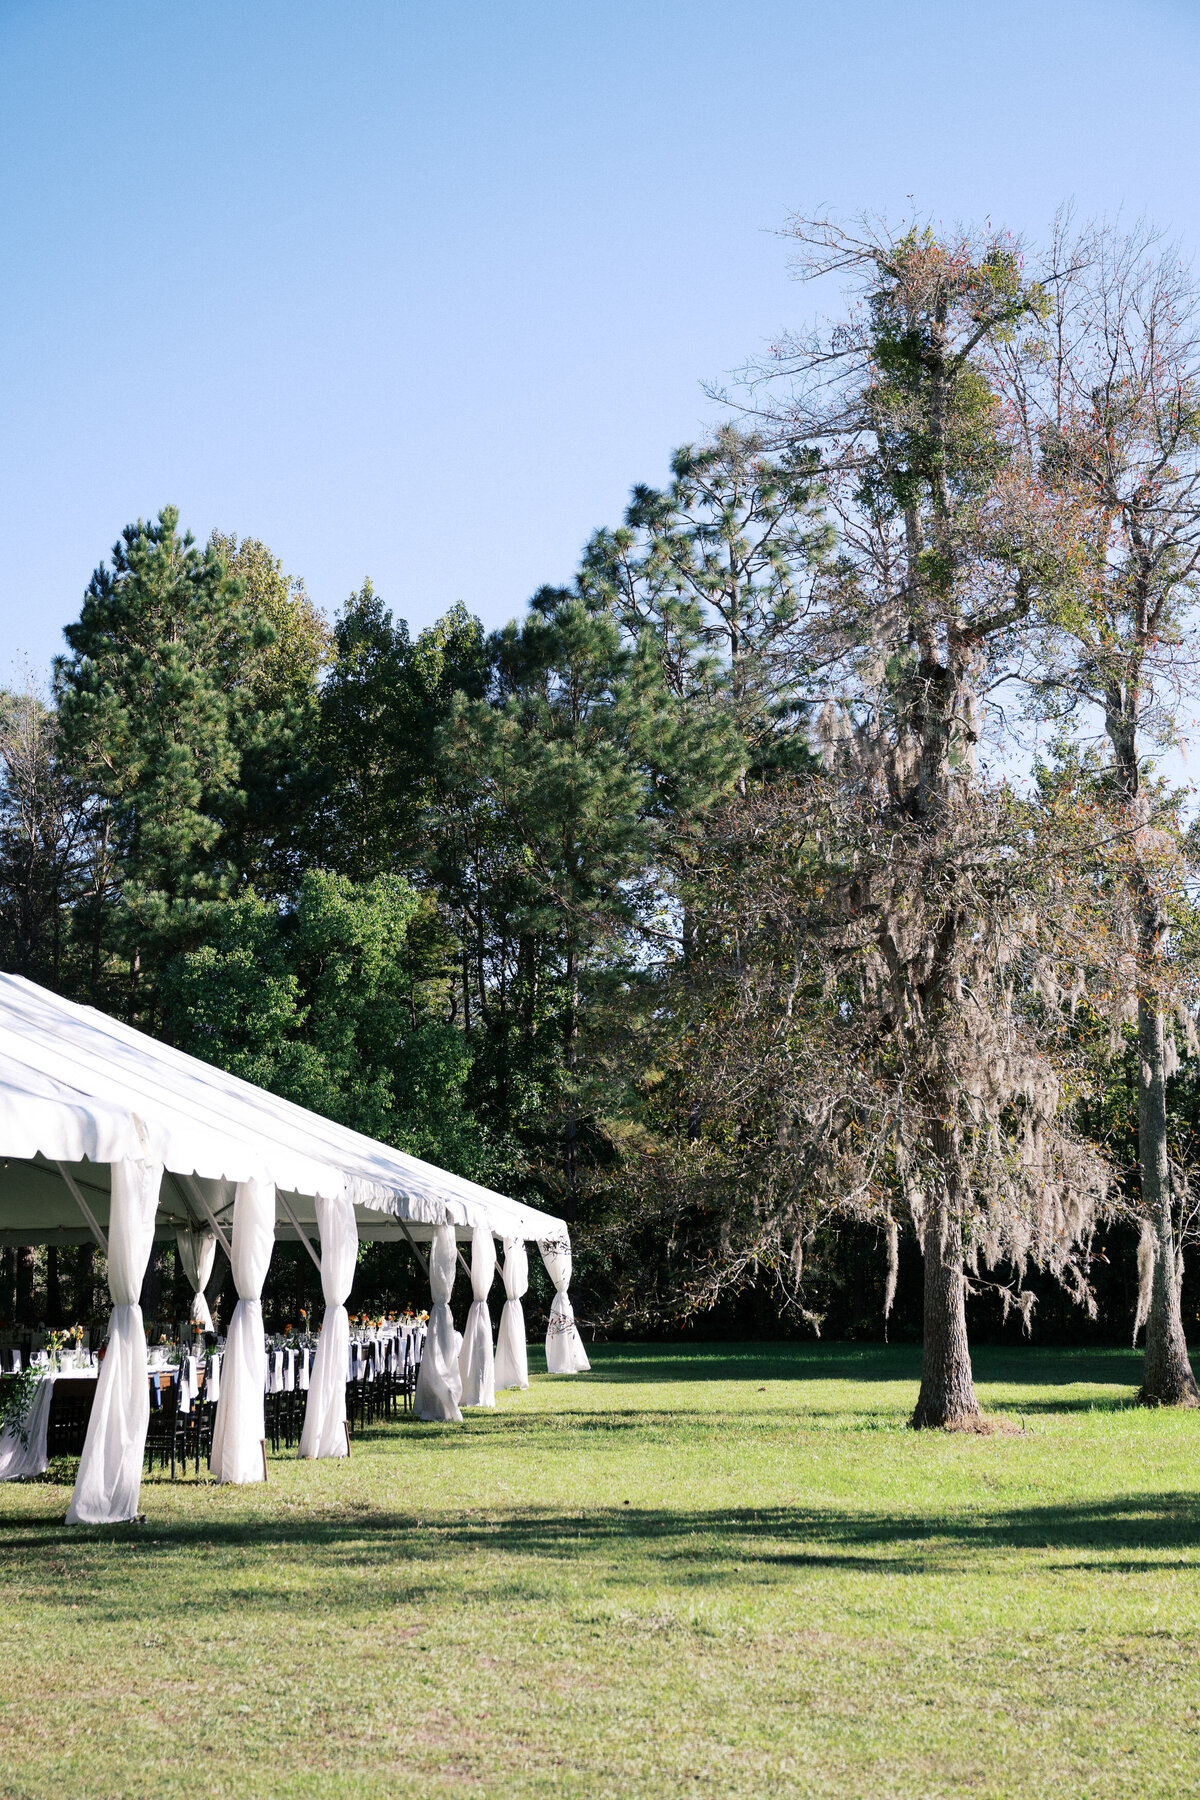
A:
(16, 1402)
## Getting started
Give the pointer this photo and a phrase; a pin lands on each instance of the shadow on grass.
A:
(682, 1363)
(406, 1553)
(1017, 1364)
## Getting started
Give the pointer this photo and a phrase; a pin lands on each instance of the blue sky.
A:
(418, 292)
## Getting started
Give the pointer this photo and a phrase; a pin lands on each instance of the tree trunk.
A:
(222, 1309)
(24, 1303)
(85, 1283)
(570, 1058)
(8, 1281)
(947, 1395)
(1167, 1379)
(54, 1300)
(151, 1295)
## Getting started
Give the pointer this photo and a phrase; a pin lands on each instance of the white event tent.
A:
(108, 1135)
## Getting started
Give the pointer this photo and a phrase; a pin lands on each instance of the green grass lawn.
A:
(725, 1571)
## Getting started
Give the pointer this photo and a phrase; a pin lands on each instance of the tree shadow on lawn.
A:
(687, 1548)
(1006, 1364)
(681, 1364)
(519, 1434)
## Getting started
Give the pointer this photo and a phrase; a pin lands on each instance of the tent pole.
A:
(422, 1263)
(195, 1222)
(83, 1206)
(299, 1232)
(208, 1212)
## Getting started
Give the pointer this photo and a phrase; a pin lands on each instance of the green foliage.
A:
(938, 424)
(44, 843)
(324, 1005)
(148, 704)
(381, 708)
(291, 661)
(522, 903)
(545, 863)
(564, 791)
(17, 1394)
(715, 574)
(163, 722)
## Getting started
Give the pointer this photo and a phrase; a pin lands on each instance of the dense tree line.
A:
(719, 903)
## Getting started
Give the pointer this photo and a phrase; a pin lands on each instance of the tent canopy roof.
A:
(80, 1088)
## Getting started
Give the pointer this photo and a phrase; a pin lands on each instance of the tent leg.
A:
(263, 1447)
(346, 1429)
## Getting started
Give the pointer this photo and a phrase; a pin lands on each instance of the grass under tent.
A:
(708, 1569)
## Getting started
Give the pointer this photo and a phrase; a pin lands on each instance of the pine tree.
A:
(381, 707)
(716, 574)
(719, 571)
(562, 794)
(272, 671)
(45, 845)
(150, 703)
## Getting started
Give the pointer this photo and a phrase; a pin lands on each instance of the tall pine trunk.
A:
(1167, 1379)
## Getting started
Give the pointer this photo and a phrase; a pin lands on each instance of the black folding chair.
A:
(70, 1410)
(164, 1438)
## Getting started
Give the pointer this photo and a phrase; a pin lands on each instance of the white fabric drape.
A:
(18, 1459)
(512, 1363)
(564, 1346)
(189, 1382)
(240, 1429)
(439, 1383)
(477, 1361)
(324, 1431)
(109, 1481)
(197, 1252)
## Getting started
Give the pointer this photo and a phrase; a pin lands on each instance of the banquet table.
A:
(19, 1459)
(286, 1370)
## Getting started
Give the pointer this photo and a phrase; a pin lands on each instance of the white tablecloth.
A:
(19, 1459)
